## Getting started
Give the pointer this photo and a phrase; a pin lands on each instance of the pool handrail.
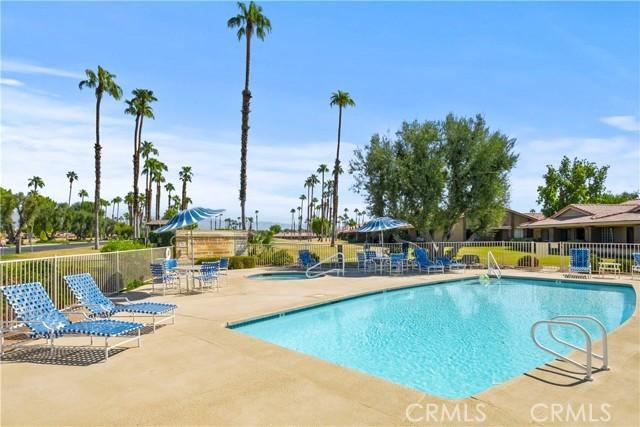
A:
(339, 270)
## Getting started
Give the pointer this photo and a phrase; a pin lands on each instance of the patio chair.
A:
(208, 276)
(35, 310)
(224, 268)
(580, 261)
(635, 268)
(396, 262)
(365, 262)
(450, 264)
(163, 277)
(305, 260)
(86, 291)
(422, 261)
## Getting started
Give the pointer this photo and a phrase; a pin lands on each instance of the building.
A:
(594, 223)
(513, 225)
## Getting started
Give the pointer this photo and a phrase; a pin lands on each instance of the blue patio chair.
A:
(635, 268)
(305, 260)
(580, 261)
(86, 291)
(450, 264)
(224, 268)
(35, 310)
(163, 277)
(364, 262)
(396, 262)
(208, 276)
(422, 261)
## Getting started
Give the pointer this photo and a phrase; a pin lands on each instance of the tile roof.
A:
(593, 214)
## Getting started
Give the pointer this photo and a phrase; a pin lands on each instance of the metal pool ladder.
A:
(492, 266)
(339, 257)
(565, 321)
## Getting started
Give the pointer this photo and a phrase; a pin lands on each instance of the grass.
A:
(506, 256)
(26, 254)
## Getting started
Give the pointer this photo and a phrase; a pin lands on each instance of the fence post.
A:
(118, 275)
(55, 281)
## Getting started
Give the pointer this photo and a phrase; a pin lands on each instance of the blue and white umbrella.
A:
(383, 223)
(188, 217)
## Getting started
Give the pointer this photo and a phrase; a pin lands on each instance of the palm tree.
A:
(129, 199)
(169, 188)
(139, 106)
(158, 177)
(185, 176)
(71, 176)
(313, 181)
(293, 221)
(302, 199)
(176, 201)
(116, 201)
(103, 82)
(257, 212)
(342, 100)
(322, 169)
(299, 209)
(250, 220)
(82, 194)
(146, 150)
(250, 20)
(35, 182)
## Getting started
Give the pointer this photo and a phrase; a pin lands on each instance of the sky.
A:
(560, 78)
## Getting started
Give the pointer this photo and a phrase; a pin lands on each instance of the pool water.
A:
(452, 339)
(281, 275)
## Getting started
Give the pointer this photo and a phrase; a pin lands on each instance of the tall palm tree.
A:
(103, 82)
(176, 201)
(313, 181)
(342, 100)
(322, 169)
(82, 194)
(116, 201)
(129, 199)
(299, 209)
(169, 188)
(302, 198)
(329, 196)
(293, 221)
(36, 182)
(257, 212)
(147, 149)
(250, 20)
(158, 177)
(185, 175)
(71, 176)
(140, 107)
(307, 185)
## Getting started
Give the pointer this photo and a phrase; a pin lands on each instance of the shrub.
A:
(134, 284)
(281, 257)
(122, 230)
(235, 262)
(121, 245)
(528, 261)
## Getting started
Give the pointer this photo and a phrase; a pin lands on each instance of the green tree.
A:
(249, 21)
(8, 205)
(157, 175)
(577, 181)
(625, 196)
(302, 198)
(342, 100)
(82, 194)
(36, 183)
(116, 202)
(139, 107)
(169, 188)
(26, 207)
(103, 82)
(49, 217)
(185, 175)
(147, 149)
(275, 229)
(322, 169)
(293, 220)
(71, 176)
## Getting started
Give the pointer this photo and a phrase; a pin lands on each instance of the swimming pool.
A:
(453, 339)
(280, 275)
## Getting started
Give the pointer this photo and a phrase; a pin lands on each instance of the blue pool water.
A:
(453, 339)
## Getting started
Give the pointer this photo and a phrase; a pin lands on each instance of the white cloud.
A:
(10, 82)
(628, 123)
(15, 66)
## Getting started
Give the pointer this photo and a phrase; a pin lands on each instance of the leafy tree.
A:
(318, 225)
(625, 196)
(71, 176)
(577, 181)
(185, 176)
(103, 82)
(25, 208)
(49, 217)
(343, 100)
(249, 21)
(140, 107)
(170, 212)
(275, 228)
(35, 182)
(8, 205)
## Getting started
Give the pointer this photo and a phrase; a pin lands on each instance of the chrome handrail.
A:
(495, 270)
(339, 270)
(605, 347)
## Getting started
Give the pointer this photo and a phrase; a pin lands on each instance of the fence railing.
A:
(514, 254)
(111, 270)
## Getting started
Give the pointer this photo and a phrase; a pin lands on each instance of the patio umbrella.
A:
(189, 217)
(381, 224)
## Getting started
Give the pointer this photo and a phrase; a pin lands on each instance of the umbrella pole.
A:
(193, 259)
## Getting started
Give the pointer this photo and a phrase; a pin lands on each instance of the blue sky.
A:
(560, 78)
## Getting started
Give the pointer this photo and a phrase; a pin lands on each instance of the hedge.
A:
(235, 262)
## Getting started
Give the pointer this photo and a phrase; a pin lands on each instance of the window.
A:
(518, 233)
(579, 233)
(607, 234)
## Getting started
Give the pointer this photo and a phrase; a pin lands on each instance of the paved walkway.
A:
(197, 372)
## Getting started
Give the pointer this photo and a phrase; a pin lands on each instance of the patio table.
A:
(381, 261)
(188, 271)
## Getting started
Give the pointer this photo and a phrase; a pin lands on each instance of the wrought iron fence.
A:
(111, 270)
(552, 256)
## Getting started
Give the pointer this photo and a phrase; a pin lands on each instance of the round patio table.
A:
(188, 271)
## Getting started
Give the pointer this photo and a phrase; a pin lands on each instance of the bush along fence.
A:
(552, 256)
(113, 271)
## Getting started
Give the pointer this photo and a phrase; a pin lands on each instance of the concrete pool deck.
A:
(198, 372)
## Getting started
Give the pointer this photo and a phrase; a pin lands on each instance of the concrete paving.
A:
(198, 372)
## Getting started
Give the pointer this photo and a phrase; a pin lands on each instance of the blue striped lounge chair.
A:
(208, 276)
(161, 276)
(580, 261)
(635, 268)
(396, 262)
(423, 262)
(450, 264)
(86, 291)
(34, 309)
(305, 260)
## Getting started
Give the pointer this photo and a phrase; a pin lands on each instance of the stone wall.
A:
(210, 243)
